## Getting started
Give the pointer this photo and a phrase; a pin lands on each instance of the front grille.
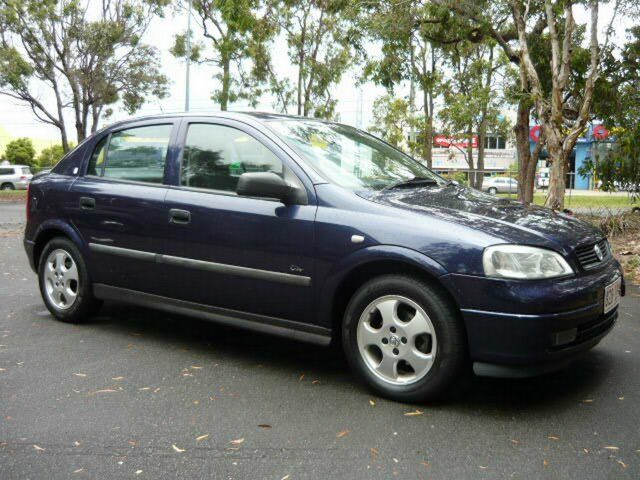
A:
(588, 257)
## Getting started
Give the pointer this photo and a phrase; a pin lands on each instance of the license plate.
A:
(612, 295)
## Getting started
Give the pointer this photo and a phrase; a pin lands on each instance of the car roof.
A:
(237, 115)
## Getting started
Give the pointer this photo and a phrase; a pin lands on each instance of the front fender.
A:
(369, 255)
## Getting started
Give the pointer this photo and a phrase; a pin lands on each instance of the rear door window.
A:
(6, 171)
(135, 154)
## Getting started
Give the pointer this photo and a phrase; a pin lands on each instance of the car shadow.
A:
(500, 397)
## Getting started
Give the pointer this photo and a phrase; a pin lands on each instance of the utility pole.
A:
(187, 81)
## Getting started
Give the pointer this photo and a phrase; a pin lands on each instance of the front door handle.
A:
(179, 217)
(87, 203)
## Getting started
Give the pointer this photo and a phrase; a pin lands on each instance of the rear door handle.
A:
(87, 203)
(180, 217)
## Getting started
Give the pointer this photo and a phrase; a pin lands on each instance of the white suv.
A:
(14, 177)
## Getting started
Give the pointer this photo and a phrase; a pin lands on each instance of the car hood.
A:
(503, 218)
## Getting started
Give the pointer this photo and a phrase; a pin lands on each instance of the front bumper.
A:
(519, 328)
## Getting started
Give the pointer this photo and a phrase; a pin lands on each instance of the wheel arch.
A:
(374, 262)
(47, 231)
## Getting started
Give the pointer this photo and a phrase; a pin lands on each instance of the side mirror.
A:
(267, 185)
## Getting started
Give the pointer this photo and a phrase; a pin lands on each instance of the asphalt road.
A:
(139, 394)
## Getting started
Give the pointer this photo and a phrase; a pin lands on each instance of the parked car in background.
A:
(542, 179)
(495, 185)
(15, 177)
(319, 232)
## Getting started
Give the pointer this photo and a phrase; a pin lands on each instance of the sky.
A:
(17, 119)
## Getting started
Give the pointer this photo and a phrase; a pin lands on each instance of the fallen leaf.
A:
(202, 437)
(77, 444)
(301, 377)
(482, 467)
(620, 398)
(286, 477)
(545, 463)
(144, 388)
(372, 403)
(117, 378)
(551, 437)
(195, 367)
(78, 470)
(138, 472)
(515, 442)
(413, 414)
(132, 443)
(264, 425)
(611, 448)
(622, 464)
(315, 382)
(395, 460)
(238, 441)
(425, 464)
(177, 449)
(589, 400)
(80, 374)
(585, 450)
(40, 449)
(105, 390)
(343, 433)
(374, 451)
(157, 390)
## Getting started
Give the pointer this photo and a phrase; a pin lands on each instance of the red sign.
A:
(446, 142)
(534, 133)
(600, 132)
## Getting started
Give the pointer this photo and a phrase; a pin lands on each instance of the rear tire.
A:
(7, 186)
(404, 339)
(64, 282)
(493, 190)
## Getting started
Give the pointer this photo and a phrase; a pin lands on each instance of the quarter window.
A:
(216, 155)
(97, 158)
(6, 171)
(137, 154)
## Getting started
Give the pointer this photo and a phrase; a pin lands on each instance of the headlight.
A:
(520, 261)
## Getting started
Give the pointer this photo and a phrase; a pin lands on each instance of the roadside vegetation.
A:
(623, 231)
(12, 195)
(596, 202)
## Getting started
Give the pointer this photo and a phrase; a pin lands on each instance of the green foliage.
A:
(87, 58)
(391, 119)
(50, 156)
(235, 36)
(20, 152)
(320, 39)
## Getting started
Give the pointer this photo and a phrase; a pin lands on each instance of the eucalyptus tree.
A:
(235, 37)
(60, 55)
(471, 104)
(410, 52)
(320, 42)
(514, 25)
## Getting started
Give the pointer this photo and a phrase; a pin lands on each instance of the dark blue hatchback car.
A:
(318, 231)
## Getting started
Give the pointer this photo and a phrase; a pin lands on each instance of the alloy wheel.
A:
(61, 279)
(397, 340)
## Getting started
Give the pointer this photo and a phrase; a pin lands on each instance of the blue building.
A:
(595, 137)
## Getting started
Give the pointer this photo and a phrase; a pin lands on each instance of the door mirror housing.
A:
(269, 185)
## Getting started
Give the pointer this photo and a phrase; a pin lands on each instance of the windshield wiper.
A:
(416, 181)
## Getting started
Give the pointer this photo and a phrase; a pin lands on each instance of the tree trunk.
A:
(472, 172)
(226, 84)
(482, 135)
(63, 137)
(558, 156)
(427, 140)
(526, 164)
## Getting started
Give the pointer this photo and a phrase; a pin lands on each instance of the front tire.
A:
(64, 282)
(404, 339)
(493, 190)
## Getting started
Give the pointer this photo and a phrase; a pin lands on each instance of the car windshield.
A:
(351, 158)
